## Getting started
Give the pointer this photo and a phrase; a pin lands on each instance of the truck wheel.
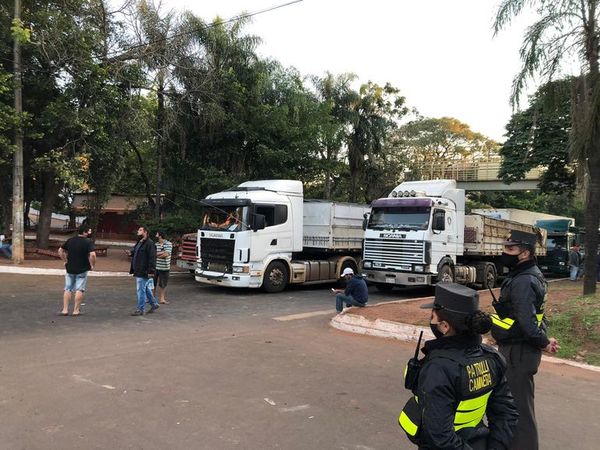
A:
(446, 274)
(384, 287)
(489, 277)
(276, 277)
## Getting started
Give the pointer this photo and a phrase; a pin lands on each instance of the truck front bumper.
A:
(239, 280)
(398, 278)
(186, 264)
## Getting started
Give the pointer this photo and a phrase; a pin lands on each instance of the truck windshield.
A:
(225, 218)
(406, 218)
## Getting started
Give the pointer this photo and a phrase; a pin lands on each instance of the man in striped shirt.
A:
(164, 249)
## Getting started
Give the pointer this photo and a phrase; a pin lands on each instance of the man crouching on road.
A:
(143, 264)
(355, 294)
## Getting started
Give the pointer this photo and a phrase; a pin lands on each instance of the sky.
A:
(441, 54)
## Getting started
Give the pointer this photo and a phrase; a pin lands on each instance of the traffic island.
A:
(572, 321)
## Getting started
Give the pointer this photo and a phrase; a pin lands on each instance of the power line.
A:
(211, 25)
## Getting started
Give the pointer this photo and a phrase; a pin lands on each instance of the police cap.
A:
(454, 298)
(523, 238)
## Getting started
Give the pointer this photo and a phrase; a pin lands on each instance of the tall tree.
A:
(19, 36)
(539, 136)
(430, 145)
(335, 94)
(565, 29)
(374, 112)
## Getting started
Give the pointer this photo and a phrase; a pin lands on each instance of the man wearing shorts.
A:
(79, 257)
(164, 249)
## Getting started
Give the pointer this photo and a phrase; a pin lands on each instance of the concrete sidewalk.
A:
(351, 321)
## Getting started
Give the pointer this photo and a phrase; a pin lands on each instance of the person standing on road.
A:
(164, 249)
(143, 264)
(574, 262)
(459, 381)
(520, 330)
(79, 257)
(355, 294)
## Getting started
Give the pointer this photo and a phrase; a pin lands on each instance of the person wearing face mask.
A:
(459, 381)
(520, 331)
(143, 264)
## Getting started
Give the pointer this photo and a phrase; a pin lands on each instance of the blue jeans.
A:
(144, 291)
(75, 282)
(6, 250)
(340, 299)
(573, 270)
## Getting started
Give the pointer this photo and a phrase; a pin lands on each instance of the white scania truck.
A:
(264, 234)
(420, 235)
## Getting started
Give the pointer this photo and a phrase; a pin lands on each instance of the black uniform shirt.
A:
(523, 291)
(443, 383)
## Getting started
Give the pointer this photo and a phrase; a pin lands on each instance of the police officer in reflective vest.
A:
(459, 381)
(519, 329)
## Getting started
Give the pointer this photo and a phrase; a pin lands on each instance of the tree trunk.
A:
(592, 155)
(45, 218)
(142, 172)
(18, 234)
(161, 132)
(591, 221)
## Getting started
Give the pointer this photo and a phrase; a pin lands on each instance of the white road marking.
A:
(85, 380)
(294, 408)
(304, 315)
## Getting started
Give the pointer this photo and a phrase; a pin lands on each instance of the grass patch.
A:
(576, 325)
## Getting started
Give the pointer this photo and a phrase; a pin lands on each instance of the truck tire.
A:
(276, 277)
(385, 288)
(446, 274)
(489, 277)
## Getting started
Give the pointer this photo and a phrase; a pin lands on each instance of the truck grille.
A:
(394, 253)
(217, 254)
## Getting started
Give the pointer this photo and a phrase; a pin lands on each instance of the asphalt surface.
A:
(215, 370)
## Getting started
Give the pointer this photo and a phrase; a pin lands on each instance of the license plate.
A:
(544, 267)
(216, 267)
(390, 280)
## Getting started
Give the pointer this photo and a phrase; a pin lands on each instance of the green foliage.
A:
(427, 145)
(175, 225)
(576, 326)
(539, 136)
(19, 32)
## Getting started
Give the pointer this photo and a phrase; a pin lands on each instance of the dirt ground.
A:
(115, 261)
(411, 312)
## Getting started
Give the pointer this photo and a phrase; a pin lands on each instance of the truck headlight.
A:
(367, 264)
(241, 269)
(418, 268)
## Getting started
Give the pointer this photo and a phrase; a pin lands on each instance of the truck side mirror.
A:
(439, 221)
(365, 221)
(258, 222)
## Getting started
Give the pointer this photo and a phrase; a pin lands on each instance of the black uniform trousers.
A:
(522, 362)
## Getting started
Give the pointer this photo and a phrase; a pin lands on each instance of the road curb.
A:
(40, 271)
(354, 323)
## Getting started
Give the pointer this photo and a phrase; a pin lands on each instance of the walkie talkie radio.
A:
(413, 367)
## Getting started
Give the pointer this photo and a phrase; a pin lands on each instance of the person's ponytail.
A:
(479, 323)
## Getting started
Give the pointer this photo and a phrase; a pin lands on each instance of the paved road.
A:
(196, 374)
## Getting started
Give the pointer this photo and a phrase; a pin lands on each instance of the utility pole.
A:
(18, 232)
